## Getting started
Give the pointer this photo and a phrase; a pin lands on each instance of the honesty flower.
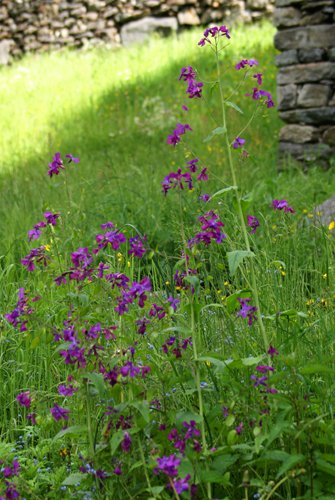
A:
(7, 472)
(260, 380)
(203, 176)
(194, 89)
(272, 351)
(279, 205)
(59, 413)
(239, 428)
(126, 443)
(34, 234)
(259, 78)
(184, 108)
(247, 311)
(180, 485)
(167, 465)
(244, 63)
(238, 142)
(23, 399)
(173, 303)
(204, 197)
(187, 74)
(253, 223)
(75, 160)
(142, 323)
(118, 470)
(192, 165)
(55, 165)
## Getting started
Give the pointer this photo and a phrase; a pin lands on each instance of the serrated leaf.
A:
(236, 258)
(143, 407)
(222, 191)
(317, 368)
(98, 382)
(73, 479)
(214, 88)
(217, 131)
(233, 105)
(223, 462)
(291, 462)
(194, 282)
(75, 430)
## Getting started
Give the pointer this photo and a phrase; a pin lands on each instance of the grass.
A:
(114, 110)
(117, 124)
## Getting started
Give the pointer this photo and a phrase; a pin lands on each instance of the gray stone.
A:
(301, 73)
(314, 95)
(332, 101)
(189, 17)
(329, 136)
(322, 36)
(4, 51)
(92, 16)
(287, 58)
(79, 11)
(286, 96)
(285, 3)
(123, 17)
(299, 134)
(317, 18)
(286, 17)
(110, 12)
(331, 54)
(326, 211)
(137, 31)
(307, 152)
(311, 116)
(310, 55)
(256, 4)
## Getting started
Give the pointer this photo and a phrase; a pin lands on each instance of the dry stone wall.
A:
(306, 77)
(37, 25)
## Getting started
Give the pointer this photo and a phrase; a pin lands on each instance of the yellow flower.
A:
(274, 227)
(310, 215)
(226, 283)
(331, 225)
(282, 273)
(128, 263)
(325, 276)
(304, 210)
(208, 363)
(47, 247)
(219, 291)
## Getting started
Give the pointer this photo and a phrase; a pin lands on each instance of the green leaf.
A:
(194, 282)
(222, 191)
(65, 346)
(116, 440)
(211, 476)
(75, 430)
(220, 364)
(187, 416)
(279, 263)
(251, 360)
(182, 329)
(311, 369)
(233, 105)
(233, 303)
(291, 462)
(223, 462)
(196, 310)
(214, 88)
(289, 312)
(35, 342)
(143, 407)
(97, 380)
(235, 259)
(73, 479)
(217, 131)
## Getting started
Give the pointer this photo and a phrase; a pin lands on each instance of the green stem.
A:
(89, 421)
(244, 229)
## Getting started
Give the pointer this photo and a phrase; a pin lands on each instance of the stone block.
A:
(285, 3)
(307, 152)
(111, 11)
(332, 101)
(314, 95)
(137, 31)
(4, 51)
(301, 73)
(189, 17)
(316, 18)
(310, 116)
(331, 54)
(322, 36)
(329, 136)
(287, 96)
(310, 55)
(299, 134)
(123, 17)
(91, 16)
(286, 17)
(79, 11)
(256, 4)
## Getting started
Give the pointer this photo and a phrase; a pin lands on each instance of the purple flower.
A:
(181, 485)
(66, 391)
(155, 311)
(173, 303)
(102, 268)
(61, 279)
(7, 472)
(253, 223)
(255, 94)
(34, 234)
(185, 108)
(194, 89)
(11, 493)
(129, 369)
(51, 218)
(118, 470)
(238, 142)
(225, 411)
(259, 78)
(59, 413)
(279, 205)
(187, 74)
(32, 417)
(260, 380)
(126, 443)
(192, 165)
(269, 102)
(181, 129)
(204, 197)
(75, 160)
(167, 465)
(203, 41)
(272, 351)
(191, 429)
(289, 209)
(23, 399)
(142, 324)
(55, 165)
(247, 311)
(239, 428)
(136, 247)
(264, 368)
(145, 370)
(197, 446)
(203, 176)
(241, 64)
(108, 225)
(36, 255)
(173, 139)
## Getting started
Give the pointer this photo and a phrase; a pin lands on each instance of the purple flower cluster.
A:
(57, 164)
(280, 205)
(194, 88)
(256, 94)
(59, 413)
(36, 233)
(180, 344)
(214, 32)
(210, 230)
(253, 223)
(113, 237)
(24, 399)
(175, 137)
(36, 255)
(179, 279)
(136, 246)
(157, 311)
(21, 309)
(247, 311)
(245, 63)
(137, 290)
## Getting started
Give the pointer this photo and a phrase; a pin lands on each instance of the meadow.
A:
(152, 346)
